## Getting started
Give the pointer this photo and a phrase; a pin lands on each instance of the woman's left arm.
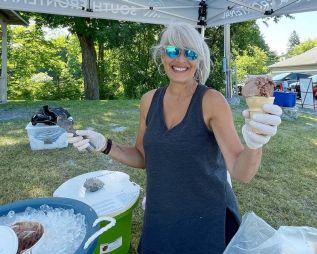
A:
(241, 161)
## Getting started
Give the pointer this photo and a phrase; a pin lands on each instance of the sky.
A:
(277, 35)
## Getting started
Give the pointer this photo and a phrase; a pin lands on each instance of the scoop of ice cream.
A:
(258, 86)
(28, 233)
(93, 184)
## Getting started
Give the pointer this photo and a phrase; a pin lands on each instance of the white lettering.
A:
(63, 4)
(266, 5)
(133, 12)
(75, 4)
(97, 7)
(125, 10)
(114, 10)
(50, 2)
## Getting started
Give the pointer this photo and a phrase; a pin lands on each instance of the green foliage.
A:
(130, 70)
(252, 61)
(243, 36)
(293, 41)
(303, 47)
(124, 62)
(39, 68)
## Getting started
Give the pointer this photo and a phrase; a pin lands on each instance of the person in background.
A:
(285, 86)
(187, 141)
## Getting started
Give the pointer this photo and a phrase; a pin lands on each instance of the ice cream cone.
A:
(255, 104)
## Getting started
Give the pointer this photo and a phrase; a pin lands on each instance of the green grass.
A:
(283, 192)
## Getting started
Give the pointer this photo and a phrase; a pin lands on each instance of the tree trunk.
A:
(89, 67)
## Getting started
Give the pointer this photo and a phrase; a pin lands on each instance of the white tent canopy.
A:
(196, 12)
(213, 12)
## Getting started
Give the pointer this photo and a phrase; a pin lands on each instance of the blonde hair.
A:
(183, 36)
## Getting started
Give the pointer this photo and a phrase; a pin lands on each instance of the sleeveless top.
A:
(187, 192)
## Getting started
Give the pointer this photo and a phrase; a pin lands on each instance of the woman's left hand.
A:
(258, 130)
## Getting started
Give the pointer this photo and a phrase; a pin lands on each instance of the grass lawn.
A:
(283, 192)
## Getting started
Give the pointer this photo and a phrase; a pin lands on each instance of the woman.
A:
(187, 141)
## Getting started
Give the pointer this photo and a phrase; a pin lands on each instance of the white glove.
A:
(265, 123)
(87, 138)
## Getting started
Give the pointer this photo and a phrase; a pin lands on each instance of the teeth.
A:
(179, 69)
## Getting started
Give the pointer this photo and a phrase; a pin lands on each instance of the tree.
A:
(92, 33)
(293, 41)
(252, 61)
(243, 35)
(303, 47)
(50, 74)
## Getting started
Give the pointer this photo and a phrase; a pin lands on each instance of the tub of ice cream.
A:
(67, 224)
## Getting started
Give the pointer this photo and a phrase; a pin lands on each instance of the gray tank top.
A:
(187, 193)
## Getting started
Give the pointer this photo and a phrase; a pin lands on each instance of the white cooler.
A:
(43, 136)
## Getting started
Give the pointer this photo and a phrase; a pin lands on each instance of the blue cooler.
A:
(285, 99)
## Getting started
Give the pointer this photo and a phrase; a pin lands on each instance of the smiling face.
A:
(179, 69)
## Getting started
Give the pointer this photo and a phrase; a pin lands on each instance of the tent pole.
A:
(202, 31)
(227, 57)
(3, 79)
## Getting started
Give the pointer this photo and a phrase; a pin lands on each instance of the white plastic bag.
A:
(255, 236)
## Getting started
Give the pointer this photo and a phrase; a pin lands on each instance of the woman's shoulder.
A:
(147, 97)
(214, 103)
(213, 96)
(146, 100)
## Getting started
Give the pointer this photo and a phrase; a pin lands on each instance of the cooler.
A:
(285, 99)
(42, 136)
(117, 199)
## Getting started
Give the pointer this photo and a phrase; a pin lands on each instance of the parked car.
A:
(296, 86)
(289, 77)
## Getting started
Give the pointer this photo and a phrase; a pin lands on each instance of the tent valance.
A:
(218, 12)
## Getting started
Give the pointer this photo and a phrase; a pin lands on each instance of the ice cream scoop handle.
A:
(90, 148)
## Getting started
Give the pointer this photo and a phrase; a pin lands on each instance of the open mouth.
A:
(179, 69)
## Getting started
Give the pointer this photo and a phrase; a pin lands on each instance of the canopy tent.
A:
(305, 62)
(199, 13)
(12, 18)
(207, 13)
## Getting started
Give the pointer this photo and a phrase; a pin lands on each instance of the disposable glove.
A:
(87, 138)
(265, 124)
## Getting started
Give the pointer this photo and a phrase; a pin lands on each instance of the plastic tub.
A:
(42, 136)
(285, 99)
(116, 199)
(65, 203)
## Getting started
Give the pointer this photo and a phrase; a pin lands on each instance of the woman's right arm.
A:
(133, 156)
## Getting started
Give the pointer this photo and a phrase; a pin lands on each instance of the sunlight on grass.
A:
(37, 192)
(282, 193)
(9, 141)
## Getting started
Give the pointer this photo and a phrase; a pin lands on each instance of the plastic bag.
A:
(49, 115)
(255, 236)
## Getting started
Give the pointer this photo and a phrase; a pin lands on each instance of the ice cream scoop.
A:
(28, 233)
(262, 86)
(258, 91)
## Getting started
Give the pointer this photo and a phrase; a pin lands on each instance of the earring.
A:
(161, 69)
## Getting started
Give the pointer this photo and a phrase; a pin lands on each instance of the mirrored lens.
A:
(190, 54)
(172, 51)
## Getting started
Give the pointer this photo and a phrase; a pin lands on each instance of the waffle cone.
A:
(255, 104)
